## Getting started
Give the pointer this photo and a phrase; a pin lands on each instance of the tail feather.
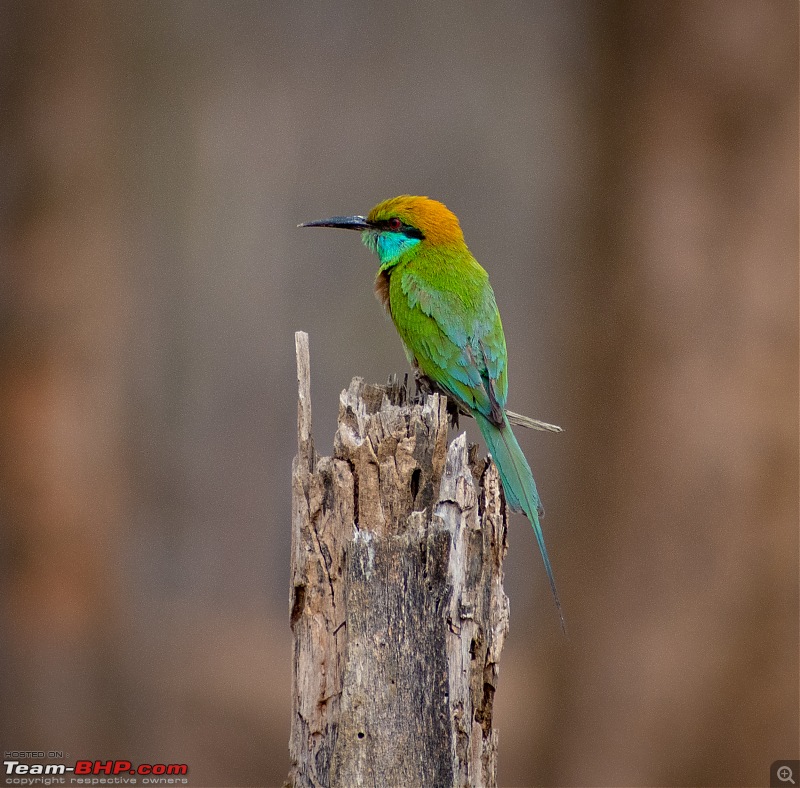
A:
(519, 486)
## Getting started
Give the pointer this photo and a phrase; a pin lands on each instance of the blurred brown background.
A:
(627, 171)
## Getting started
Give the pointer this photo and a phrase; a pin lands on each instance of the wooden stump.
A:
(397, 605)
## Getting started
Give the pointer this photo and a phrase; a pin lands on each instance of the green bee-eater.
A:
(443, 306)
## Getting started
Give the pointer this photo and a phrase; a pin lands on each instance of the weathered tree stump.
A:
(397, 604)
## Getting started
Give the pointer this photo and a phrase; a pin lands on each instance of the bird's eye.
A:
(395, 224)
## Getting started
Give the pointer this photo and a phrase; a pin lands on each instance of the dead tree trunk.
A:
(397, 604)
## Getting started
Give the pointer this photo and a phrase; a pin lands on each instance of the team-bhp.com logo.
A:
(86, 772)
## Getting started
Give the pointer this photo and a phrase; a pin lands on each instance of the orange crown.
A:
(438, 223)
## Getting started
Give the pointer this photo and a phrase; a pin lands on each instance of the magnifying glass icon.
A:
(785, 775)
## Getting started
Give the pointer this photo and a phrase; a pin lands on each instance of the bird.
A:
(444, 309)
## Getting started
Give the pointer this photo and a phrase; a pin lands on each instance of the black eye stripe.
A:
(405, 229)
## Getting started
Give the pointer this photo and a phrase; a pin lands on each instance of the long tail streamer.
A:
(519, 487)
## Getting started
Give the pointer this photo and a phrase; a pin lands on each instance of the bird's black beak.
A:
(343, 222)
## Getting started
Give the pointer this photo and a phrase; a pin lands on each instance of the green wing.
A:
(445, 312)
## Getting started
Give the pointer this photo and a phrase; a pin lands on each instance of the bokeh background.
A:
(628, 173)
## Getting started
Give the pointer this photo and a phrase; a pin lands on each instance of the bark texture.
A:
(397, 605)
